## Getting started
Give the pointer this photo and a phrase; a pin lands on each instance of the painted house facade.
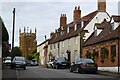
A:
(67, 39)
(42, 49)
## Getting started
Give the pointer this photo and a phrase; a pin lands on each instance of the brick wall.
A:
(107, 44)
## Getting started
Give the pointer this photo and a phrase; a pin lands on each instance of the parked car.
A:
(60, 62)
(83, 65)
(50, 63)
(7, 60)
(18, 62)
(34, 62)
(28, 62)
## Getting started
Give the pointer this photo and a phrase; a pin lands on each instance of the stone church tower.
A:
(27, 41)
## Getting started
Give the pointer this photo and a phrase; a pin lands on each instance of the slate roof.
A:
(116, 18)
(73, 32)
(106, 34)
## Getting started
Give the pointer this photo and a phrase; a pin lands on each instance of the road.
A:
(45, 73)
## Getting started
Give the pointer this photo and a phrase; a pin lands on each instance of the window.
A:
(82, 24)
(113, 50)
(75, 27)
(112, 25)
(54, 46)
(51, 47)
(68, 30)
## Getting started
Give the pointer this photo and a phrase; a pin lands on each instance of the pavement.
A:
(109, 73)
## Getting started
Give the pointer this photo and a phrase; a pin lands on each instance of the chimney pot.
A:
(75, 8)
(78, 7)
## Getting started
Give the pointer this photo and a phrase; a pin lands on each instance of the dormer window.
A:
(68, 29)
(98, 31)
(112, 25)
(75, 27)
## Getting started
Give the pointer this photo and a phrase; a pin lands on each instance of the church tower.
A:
(27, 42)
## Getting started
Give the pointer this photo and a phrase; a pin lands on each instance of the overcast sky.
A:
(44, 15)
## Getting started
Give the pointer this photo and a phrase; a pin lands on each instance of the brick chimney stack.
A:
(76, 13)
(63, 20)
(102, 5)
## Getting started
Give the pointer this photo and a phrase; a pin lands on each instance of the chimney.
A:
(102, 5)
(76, 13)
(63, 20)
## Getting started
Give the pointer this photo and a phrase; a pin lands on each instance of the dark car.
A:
(34, 62)
(60, 62)
(18, 62)
(83, 65)
(28, 62)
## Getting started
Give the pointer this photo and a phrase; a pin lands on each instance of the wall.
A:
(97, 47)
(97, 19)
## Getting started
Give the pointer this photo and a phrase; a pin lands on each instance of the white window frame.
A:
(82, 24)
(75, 27)
(68, 30)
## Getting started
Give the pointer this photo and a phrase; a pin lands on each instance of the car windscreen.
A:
(61, 59)
(85, 61)
(8, 58)
(19, 59)
(88, 61)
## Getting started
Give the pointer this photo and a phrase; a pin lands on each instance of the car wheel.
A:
(71, 69)
(51, 66)
(24, 68)
(77, 70)
(57, 67)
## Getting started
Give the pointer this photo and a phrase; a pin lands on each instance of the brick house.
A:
(104, 43)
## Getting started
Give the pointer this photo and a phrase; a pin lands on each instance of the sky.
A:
(44, 15)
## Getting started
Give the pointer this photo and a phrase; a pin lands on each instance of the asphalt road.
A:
(46, 73)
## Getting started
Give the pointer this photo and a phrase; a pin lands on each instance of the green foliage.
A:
(104, 53)
(94, 54)
(5, 50)
(88, 54)
(5, 36)
(34, 51)
(33, 55)
(30, 57)
(112, 58)
(16, 51)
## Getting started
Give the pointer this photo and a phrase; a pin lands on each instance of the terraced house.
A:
(103, 45)
(68, 39)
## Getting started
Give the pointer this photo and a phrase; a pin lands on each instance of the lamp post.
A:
(118, 56)
(13, 28)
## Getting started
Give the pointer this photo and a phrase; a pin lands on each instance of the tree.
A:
(5, 50)
(16, 51)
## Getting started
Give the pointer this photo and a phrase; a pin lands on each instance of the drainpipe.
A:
(118, 56)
